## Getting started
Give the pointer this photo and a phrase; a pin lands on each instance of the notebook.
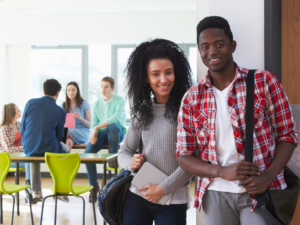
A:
(149, 174)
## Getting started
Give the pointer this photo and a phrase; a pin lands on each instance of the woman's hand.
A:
(153, 192)
(77, 115)
(93, 136)
(137, 161)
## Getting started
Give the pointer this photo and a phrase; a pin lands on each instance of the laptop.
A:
(149, 174)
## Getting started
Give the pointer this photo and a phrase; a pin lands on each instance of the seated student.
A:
(42, 129)
(107, 126)
(74, 103)
(10, 137)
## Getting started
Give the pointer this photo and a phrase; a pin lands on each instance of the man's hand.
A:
(93, 137)
(137, 161)
(153, 193)
(257, 184)
(239, 171)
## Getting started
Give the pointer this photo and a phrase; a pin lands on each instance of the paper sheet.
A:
(70, 120)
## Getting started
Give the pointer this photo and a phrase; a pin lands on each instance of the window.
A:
(99, 67)
(61, 63)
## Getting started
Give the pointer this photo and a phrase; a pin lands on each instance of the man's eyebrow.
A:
(220, 40)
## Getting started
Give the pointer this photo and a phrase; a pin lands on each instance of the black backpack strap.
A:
(249, 116)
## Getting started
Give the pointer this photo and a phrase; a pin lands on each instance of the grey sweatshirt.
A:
(159, 147)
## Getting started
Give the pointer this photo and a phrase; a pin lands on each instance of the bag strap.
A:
(249, 116)
(140, 149)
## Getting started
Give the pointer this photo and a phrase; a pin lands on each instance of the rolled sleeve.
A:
(186, 143)
(280, 112)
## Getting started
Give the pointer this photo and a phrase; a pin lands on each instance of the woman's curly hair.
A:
(140, 94)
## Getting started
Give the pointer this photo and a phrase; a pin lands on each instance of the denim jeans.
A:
(27, 169)
(112, 136)
(137, 210)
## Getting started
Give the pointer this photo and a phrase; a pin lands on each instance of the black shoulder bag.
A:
(277, 206)
(111, 197)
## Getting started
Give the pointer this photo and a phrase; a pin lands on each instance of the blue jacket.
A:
(42, 126)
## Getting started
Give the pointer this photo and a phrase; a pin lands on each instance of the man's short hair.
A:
(214, 22)
(51, 87)
(110, 80)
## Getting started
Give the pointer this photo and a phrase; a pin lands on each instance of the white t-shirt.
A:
(225, 144)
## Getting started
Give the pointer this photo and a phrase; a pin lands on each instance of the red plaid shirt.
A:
(7, 139)
(273, 122)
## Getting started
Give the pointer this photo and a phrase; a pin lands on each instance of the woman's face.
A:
(18, 113)
(161, 78)
(71, 91)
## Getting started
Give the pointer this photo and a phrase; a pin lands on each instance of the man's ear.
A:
(233, 45)
(57, 93)
(113, 88)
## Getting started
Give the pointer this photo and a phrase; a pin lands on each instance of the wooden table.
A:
(90, 158)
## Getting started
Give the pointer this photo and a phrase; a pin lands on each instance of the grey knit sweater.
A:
(159, 147)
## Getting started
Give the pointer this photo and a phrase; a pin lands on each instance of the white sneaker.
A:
(37, 197)
(63, 198)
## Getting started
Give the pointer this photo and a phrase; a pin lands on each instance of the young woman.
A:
(80, 108)
(10, 137)
(158, 75)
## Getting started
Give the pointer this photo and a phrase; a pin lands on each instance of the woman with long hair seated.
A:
(80, 108)
(10, 137)
(158, 75)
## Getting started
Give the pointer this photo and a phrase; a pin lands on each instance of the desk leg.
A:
(17, 182)
(116, 166)
(104, 181)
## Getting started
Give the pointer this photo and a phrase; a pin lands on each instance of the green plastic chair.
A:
(10, 189)
(63, 169)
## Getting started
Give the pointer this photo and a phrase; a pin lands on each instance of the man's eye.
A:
(205, 47)
(220, 45)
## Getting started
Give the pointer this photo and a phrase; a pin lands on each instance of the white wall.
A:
(72, 29)
(246, 19)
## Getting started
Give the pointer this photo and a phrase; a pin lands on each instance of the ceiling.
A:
(33, 7)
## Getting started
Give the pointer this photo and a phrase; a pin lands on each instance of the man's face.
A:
(215, 49)
(106, 89)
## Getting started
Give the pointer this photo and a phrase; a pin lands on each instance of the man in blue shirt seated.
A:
(42, 129)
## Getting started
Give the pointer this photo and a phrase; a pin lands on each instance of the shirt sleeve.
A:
(95, 120)
(23, 122)
(7, 145)
(61, 125)
(186, 143)
(119, 112)
(280, 112)
(85, 106)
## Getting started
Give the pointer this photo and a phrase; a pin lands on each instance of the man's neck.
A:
(54, 97)
(107, 98)
(222, 79)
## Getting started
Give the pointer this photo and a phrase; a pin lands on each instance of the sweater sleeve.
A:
(175, 181)
(119, 113)
(95, 120)
(6, 144)
(129, 146)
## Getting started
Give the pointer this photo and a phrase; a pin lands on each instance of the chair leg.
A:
(42, 210)
(95, 219)
(83, 216)
(12, 211)
(55, 211)
(29, 200)
(1, 209)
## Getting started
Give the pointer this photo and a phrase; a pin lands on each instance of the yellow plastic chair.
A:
(9, 189)
(63, 169)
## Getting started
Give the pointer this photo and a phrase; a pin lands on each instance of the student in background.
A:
(80, 108)
(107, 127)
(158, 75)
(42, 129)
(10, 137)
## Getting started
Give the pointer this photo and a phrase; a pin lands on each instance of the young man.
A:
(107, 127)
(212, 121)
(42, 129)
